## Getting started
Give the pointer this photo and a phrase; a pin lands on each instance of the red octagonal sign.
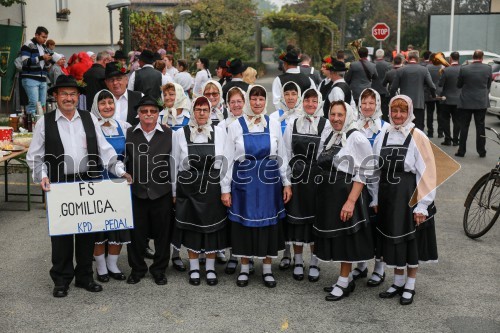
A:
(381, 31)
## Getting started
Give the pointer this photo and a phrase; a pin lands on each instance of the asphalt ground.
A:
(459, 294)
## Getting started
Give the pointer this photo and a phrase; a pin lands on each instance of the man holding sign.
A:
(68, 146)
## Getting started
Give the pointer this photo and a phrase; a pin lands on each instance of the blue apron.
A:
(374, 136)
(185, 121)
(118, 144)
(257, 199)
(283, 122)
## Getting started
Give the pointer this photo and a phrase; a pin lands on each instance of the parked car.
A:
(466, 55)
(495, 97)
(495, 68)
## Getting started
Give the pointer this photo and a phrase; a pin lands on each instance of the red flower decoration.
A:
(228, 63)
(282, 55)
(328, 62)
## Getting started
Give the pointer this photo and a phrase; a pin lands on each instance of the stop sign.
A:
(381, 31)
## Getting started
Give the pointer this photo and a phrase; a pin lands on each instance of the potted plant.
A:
(63, 14)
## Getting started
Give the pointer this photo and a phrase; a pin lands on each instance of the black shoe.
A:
(283, 264)
(446, 143)
(160, 279)
(269, 284)
(386, 294)
(242, 283)
(231, 270)
(214, 281)
(91, 286)
(328, 289)
(313, 278)
(362, 274)
(117, 276)
(60, 291)
(220, 260)
(194, 281)
(374, 283)
(299, 277)
(133, 279)
(252, 266)
(482, 155)
(102, 278)
(406, 301)
(149, 253)
(178, 267)
(352, 286)
(333, 298)
(459, 154)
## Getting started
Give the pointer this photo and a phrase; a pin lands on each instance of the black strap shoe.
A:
(102, 278)
(361, 274)
(375, 283)
(299, 277)
(231, 266)
(406, 301)
(214, 281)
(285, 263)
(194, 281)
(117, 276)
(177, 266)
(269, 284)
(313, 278)
(242, 283)
(333, 298)
(387, 294)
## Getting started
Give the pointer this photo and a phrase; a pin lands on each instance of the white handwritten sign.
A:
(84, 207)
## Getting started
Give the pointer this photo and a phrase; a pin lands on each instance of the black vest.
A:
(148, 81)
(54, 150)
(133, 99)
(347, 96)
(302, 80)
(149, 163)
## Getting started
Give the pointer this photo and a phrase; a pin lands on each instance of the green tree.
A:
(152, 31)
(8, 3)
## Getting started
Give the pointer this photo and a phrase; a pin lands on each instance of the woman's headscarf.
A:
(372, 123)
(349, 124)
(181, 102)
(406, 127)
(95, 110)
(231, 117)
(287, 112)
(193, 124)
(217, 108)
(303, 115)
(247, 110)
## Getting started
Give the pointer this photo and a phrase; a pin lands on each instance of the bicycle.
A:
(481, 205)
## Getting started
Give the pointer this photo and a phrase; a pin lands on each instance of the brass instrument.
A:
(354, 46)
(439, 59)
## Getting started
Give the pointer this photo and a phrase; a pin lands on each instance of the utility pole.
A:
(342, 24)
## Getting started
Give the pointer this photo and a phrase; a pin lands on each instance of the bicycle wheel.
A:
(481, 206)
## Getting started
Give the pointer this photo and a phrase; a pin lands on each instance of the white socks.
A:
(101, 264)
(399, 280)
(111, 261)
(410, 284)
(297, 258)
(342, 282)
(378, 268)
(194, 264)
(314, 272)
(244, 269)
(266, 269)
(210, 266)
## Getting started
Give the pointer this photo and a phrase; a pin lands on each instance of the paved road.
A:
(460, 294)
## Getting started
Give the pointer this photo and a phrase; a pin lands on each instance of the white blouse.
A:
(201, 77)
(354, 158)
(234, 149)
(414, 163)
(180, 117)
(306, 129)
(180, 150)
(276, 116)
(368, 131)
(111, 131)
(226, 122)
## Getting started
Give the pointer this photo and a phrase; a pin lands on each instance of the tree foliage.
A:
(8, 3)
(152, 31)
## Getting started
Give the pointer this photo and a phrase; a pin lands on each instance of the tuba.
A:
(439, 59)
(354, 46)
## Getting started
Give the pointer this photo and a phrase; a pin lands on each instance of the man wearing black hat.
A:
(94, 77)
(236, 68)
(147, 156)
(116, 80)
(121, 57)
(147, 79)
(340, 90)
(291, 62)
(67, 146)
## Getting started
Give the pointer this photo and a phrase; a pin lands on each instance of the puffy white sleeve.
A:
(229, 154)
(276, 92)
(373, 184)
(287, 139)
(36, 152)
(361, 152)
(198, 82)
(282, 153)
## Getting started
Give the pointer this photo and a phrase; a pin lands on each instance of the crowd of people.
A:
(334, 168)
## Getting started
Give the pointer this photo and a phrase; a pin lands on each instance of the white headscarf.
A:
(181, 102)
(406, 127)
(296, 108)
(193, 124)
(349, 124)
(303, 115)
(372, 123)
(217, 108)
(231, 117)
(247, 110)
(95, 110)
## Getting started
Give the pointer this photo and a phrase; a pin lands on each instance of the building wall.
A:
(495, 6)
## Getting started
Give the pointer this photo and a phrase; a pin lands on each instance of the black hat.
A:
(149, 57)
(222, 63)
(235, 66)
(291, 57)
(336, 66)
(114, 68)
(146, 100)
(66, 81)
(120, 55)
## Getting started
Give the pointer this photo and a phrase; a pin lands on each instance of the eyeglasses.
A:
(67, 94)
(236, 102)
(201, 110)
(214, 94)
(146, 111)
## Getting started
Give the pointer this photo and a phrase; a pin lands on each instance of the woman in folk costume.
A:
(202, 76)
(407, 233)
(213, 91)
(200, 216)
(342, 227)
(290, 105)
(176, 113)
(302, 139)
(256, 187)
(114, 131)
(371, 124)
(235, 101)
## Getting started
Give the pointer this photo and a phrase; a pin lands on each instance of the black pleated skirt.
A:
(116, 237)
(259, 242)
